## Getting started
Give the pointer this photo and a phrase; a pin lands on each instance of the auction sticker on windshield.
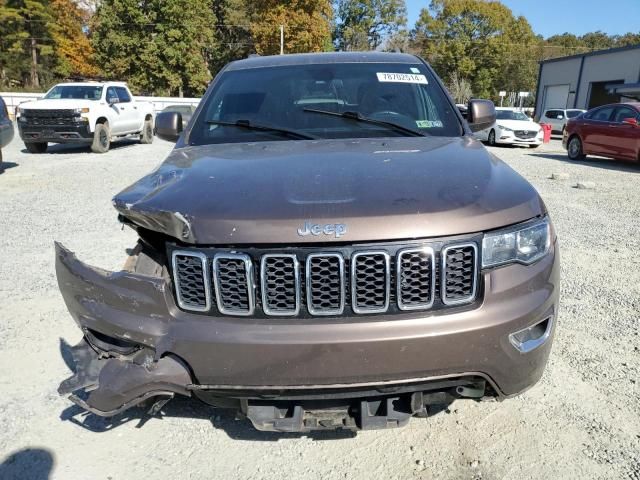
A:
(402, 78)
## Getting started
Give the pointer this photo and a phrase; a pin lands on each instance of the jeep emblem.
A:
(337, 229)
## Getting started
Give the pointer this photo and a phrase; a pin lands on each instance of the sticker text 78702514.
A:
(402, 78)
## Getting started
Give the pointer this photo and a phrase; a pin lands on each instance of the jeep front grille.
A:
(308, 281)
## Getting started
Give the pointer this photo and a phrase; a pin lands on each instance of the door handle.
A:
(135, 108)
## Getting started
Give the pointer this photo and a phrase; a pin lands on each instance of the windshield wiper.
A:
(262, 128)
(358, 117)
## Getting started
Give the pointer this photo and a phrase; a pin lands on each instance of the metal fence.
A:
(13, 99)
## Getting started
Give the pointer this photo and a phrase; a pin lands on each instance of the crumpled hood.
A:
(380, 189)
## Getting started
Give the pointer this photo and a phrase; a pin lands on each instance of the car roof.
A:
(91, 84)
(635, 105)
(322, 58)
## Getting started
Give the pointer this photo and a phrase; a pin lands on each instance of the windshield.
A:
(78, 92)
(510, 115)
(283, 97)
(573, 113)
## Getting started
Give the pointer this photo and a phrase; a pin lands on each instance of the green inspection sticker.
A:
(429, 123)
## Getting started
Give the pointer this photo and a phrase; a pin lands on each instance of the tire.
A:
(146, 136)
(39, 147)
(492, 138)
(574, 148)
(101, 138)
(534, 146)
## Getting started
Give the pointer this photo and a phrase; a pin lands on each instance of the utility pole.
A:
(281, 39)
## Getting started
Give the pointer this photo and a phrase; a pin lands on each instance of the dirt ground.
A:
(581, 421)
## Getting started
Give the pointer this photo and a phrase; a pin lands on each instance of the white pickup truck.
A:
(95, 113)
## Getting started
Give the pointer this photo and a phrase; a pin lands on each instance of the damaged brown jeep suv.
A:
(327, 246)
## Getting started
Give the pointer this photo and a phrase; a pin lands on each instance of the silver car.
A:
(558, 117)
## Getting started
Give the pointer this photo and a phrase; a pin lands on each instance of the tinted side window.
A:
(552, 113)
(3, 110)
(111, 93)
(622, 113)
(123, 95)
(601, 114)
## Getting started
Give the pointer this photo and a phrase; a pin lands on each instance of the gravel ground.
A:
(581, 421)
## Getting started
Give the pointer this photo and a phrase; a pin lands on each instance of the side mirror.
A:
(630, 121)
(113, 100)
(481, 114)
(169, 126)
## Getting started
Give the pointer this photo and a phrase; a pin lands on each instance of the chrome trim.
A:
(443, 281)
(205, 273)
(296, 272)
(354, 305)
(530, 345)
(431, 252)
(250, 286)
(335, 311)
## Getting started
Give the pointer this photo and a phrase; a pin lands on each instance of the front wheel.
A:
(574, 149)
(492, 138)
(147, 132)
(39, 147)
(101, 138)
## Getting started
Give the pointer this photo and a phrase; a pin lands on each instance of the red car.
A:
(609, 131)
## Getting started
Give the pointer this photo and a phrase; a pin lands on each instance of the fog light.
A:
(532, 337)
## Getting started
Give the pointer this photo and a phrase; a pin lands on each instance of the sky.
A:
(550, 17)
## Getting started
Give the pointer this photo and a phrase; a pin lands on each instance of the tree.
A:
(307, 25)
(460, 89)
(365, 24)
(478, 40)
(26, 43)
(157, 46)
(232, 33)
(73, 50)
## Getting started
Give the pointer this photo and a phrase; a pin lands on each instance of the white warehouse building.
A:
(589, 80)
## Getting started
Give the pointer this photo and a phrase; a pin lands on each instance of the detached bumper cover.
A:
(190, 352)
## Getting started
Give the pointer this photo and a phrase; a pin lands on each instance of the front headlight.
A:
(81, 110)
(522, 244)
(505, 129)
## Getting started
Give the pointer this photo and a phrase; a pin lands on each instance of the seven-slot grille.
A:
(327, 283)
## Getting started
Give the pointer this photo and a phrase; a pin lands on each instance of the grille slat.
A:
(459, 271)
(415, 278)
(280, 284)
(370, 282)
(233, 280)
(325, 284)
(191, 278)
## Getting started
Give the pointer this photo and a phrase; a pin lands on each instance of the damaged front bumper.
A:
(138, 344)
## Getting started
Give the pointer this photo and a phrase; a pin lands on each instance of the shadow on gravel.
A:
(66, 149)
(6, 166)
(619, 165)
(31, 463)
(179, 407)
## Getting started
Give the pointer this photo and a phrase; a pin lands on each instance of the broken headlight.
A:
(522, 244)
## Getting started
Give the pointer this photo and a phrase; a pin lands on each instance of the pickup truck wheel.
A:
(39, 147)
(101, 138)
(147, 132)
(492, 138)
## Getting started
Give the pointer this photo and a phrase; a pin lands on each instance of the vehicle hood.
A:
(56, 104)
(381, 189)
(519, 124)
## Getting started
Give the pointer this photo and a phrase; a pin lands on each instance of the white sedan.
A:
(512, 128)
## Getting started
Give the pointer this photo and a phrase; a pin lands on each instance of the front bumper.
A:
(71, 133)
(503, 138)
(254, 358)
